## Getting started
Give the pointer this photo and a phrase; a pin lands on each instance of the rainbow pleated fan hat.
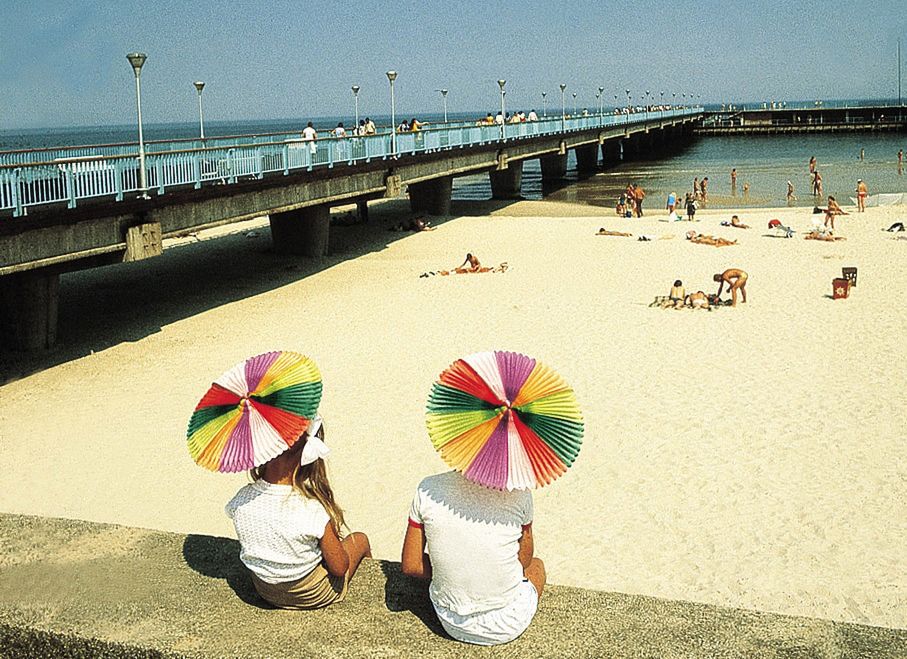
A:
(254, 412)
(505, 420)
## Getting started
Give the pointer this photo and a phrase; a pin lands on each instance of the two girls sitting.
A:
(473, 543)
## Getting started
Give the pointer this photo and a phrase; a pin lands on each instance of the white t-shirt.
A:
(472, 536)
(279, 531)
(309, 133)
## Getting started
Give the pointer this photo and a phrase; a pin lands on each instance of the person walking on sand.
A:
(790, 192)
(638, 194)
(862, 192)
(289, 527)
(831, 210)
(696, 187)
(476, 547)
(736, 281)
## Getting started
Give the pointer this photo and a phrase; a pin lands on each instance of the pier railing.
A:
(72, 175)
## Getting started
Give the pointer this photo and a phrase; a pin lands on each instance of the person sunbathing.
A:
(735, 222)
(605, 232)
(471, 264)
(827, 236)
(704, 239)
(414, 224)
(697, 300)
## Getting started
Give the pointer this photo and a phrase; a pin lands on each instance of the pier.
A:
(65, 210)
(815, 119)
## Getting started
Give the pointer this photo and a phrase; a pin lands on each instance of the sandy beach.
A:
(750, 457)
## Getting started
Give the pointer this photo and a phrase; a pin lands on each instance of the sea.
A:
(764, 164)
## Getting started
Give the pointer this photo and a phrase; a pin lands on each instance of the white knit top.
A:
(279, 531)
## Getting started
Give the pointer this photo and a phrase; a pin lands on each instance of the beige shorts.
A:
(316, 590)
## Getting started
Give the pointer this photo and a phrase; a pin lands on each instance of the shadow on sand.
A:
(218, 558)
(102, 307)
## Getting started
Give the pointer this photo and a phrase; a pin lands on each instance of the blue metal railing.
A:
(76, 174)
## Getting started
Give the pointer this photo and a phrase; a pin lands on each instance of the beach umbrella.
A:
(254, 412)
(505, 420)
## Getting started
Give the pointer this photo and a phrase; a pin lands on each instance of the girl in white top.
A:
(475, 545)
(288, 526)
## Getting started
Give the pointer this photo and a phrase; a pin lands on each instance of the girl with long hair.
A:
(290, 529)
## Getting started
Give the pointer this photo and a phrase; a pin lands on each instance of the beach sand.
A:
(750, 457)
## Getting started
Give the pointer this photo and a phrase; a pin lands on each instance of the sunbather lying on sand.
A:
(414, 224)
(605, 232)
(735, 222)
(697, 300)
(827, 236)
(470, 264)
(704, 239)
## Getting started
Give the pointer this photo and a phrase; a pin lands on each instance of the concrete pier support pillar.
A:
(611, 152)
(432, 197)
(554, 167)
(587, 157)
(28, 310)
(303, 231)
(506, 183)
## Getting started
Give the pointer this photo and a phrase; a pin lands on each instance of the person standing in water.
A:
(734, 182)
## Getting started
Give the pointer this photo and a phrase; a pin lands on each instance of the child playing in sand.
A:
(677, 295)
(289, 525)
(475, 545)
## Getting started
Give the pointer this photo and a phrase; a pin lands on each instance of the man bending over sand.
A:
(736, 280)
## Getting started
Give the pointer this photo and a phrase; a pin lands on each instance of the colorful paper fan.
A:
(254, 412)
(504, 420)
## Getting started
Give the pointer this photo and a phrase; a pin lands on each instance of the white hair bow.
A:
(314, 448)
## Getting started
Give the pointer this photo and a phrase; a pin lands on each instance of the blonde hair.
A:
(311, 481)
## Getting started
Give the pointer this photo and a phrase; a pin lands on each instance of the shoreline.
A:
(748, 457)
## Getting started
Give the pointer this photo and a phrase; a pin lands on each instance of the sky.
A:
(63, 63)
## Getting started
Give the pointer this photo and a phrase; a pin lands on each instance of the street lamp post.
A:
(545, 103)
(574, 104)
(444, 99)
(647, 109)
(673, 104)
(501, 84)
(355, 89)
(137, 60)
(199, 86)
(601, 101)
(563, 108)
(391, 76)
(628, 107)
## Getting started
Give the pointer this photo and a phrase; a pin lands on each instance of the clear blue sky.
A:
(63, 63)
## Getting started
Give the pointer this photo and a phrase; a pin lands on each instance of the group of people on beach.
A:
(678, 298)
(629, 204)
(473, 544)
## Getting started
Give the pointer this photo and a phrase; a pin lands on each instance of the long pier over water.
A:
(66, 210)
(815, 119)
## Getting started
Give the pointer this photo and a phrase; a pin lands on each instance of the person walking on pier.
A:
(309, 134)
(862, 192)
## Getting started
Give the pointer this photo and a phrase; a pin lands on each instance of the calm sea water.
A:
(765, 163)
